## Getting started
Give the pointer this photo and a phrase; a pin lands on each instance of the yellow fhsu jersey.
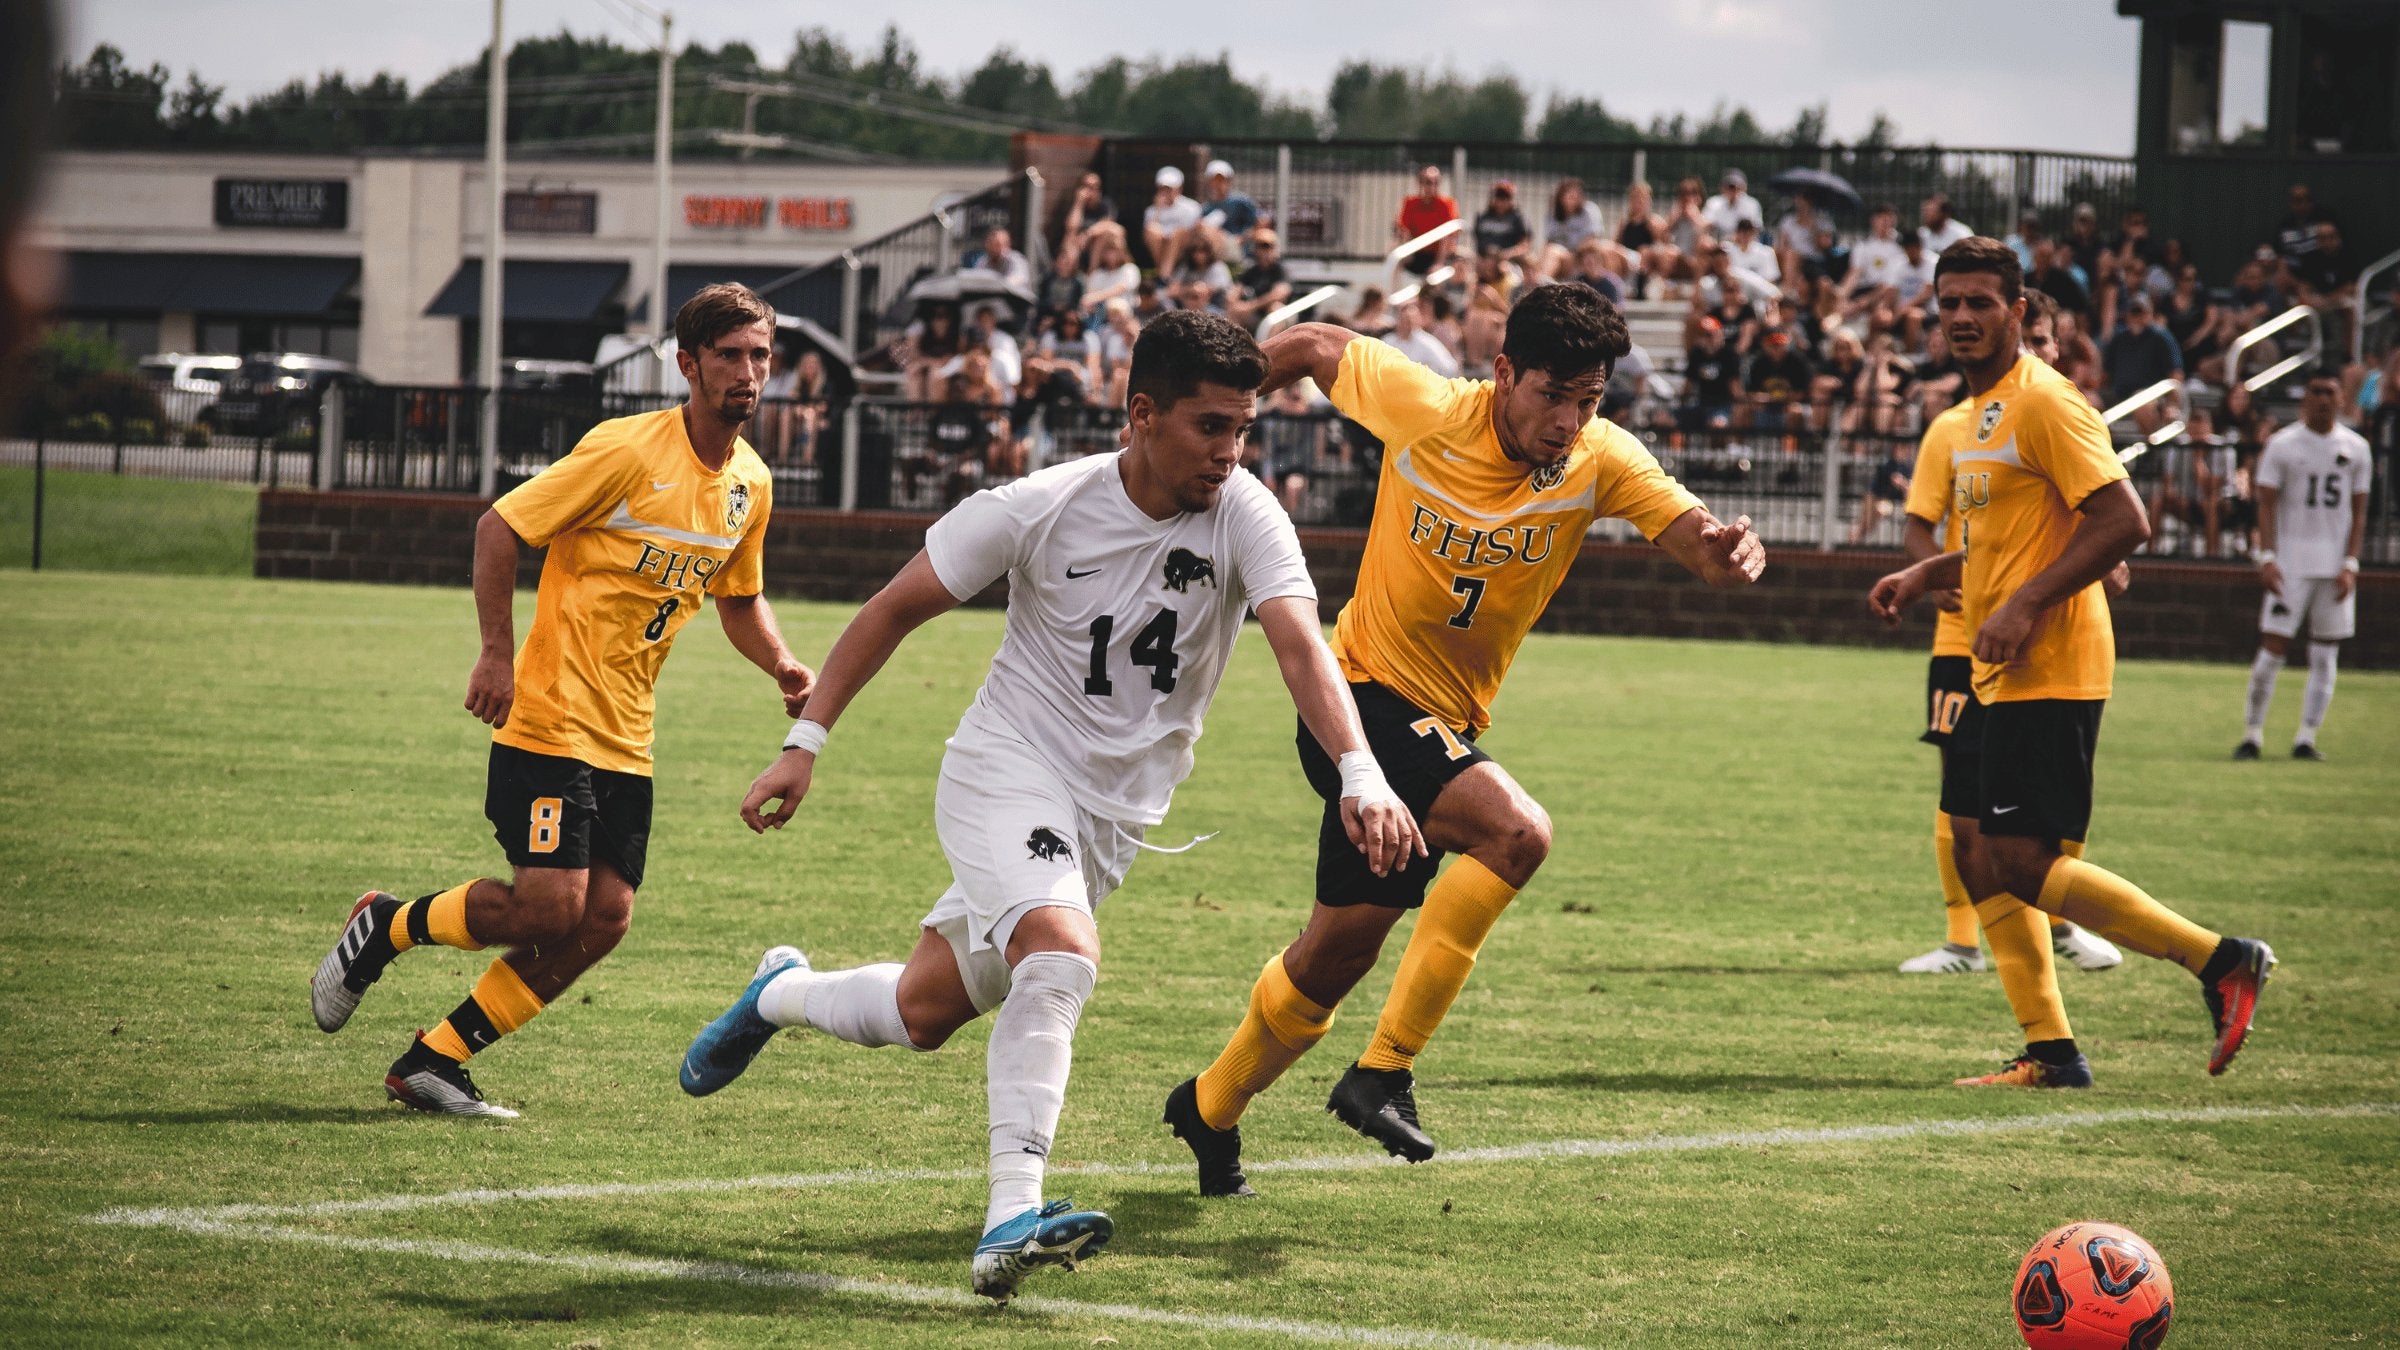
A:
(1929, 499)
(637, 530)
(1466, 547)
(2026, 453)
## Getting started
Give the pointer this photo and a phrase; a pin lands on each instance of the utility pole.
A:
(661, 322)
(495, 170)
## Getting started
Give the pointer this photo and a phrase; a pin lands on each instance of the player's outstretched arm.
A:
(492, 685)
(1372, 814)
(905, 604)
(1916, 540)
(749, 624)
(2112, 525)
(1717, 553)
(1890, 597)
(1313, 350)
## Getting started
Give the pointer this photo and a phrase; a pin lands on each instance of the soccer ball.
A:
(2094, 1286)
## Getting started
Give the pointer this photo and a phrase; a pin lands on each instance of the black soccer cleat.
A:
(356, 961)
(1382, 1105)
(2233, 998)
(2307, 750)
(2246, 750)
(1219, 1152)
(430, 1081)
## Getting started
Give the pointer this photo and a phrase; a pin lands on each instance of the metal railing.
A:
(2363, 316)
(1410, 248)
(2308, 356)
(1278, 317)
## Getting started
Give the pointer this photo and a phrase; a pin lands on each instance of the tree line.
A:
(570, 94)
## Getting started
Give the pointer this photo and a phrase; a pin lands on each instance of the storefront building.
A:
(378, 260)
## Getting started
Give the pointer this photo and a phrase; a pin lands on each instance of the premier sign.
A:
(283, 203)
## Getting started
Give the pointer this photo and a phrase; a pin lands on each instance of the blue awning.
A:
(536, 290)
(684, 281)
(206, 283)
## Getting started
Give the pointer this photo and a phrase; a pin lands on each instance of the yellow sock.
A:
(500, 1004)
(2123, 913)
(1958, 907)
(2073, 848)
(1280, 1026)
(446, 918)
(2021, 953)
(1459, 912)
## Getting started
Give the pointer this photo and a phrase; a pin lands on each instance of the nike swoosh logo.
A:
(2002, 810)
(1073, 575)
(660, 487)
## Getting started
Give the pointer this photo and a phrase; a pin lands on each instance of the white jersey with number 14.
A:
(1119, 626)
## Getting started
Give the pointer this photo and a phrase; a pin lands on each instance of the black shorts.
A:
(1419, 756)
(2032, 775)
(550, 811)
(1949, 700)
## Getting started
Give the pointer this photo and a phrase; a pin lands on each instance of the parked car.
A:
(198, 379)
(277, 392)
(574, 377)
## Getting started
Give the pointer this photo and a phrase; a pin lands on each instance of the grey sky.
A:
(2050, 74)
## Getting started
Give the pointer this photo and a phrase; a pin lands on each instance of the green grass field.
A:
(98, 522)
(202, 773)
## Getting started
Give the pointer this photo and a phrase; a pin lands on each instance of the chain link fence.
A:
(168, 481)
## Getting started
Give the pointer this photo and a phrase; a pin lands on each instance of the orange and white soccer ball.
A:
(2094, 1286)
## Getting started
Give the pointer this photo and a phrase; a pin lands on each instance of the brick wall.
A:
(2188, 611)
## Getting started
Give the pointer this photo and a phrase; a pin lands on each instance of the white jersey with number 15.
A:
(2314, 478)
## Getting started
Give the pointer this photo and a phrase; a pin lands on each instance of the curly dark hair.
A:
(1567, 330)
(1185, 348)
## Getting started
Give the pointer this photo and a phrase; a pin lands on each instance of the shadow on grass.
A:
(1156, 1221)
(1696, 1082)
(247, 1113)
(1807, 972)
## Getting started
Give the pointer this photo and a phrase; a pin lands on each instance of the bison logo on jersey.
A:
(1549, 476)
(737, 507)
(1185, 567)
(1045, 844)
(1991, 419)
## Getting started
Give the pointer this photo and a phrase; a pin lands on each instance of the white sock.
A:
(2264, 667)
(1032, 1049)
(860, 1006)
(2319, 694)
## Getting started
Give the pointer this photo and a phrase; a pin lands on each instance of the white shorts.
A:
(2329, 619)
(1016, 841)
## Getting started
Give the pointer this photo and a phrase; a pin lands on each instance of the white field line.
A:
(1345, 1162)
(721, 1272)
(248, 1221)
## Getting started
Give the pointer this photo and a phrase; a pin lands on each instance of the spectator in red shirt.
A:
(1429, 208)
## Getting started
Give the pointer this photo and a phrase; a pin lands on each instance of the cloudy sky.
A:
(2052, 74)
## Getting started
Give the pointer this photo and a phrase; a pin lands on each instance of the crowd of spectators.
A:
(1790, 329)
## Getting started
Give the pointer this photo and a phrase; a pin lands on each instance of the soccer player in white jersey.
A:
(2312, 482)
(1128, 577)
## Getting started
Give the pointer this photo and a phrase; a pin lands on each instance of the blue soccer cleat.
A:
(726, 1046)
(1057, 1234)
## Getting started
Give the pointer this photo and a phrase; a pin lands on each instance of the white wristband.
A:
(2349, 564)
(2263, 556)
(806, 735)
(1363, 778)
